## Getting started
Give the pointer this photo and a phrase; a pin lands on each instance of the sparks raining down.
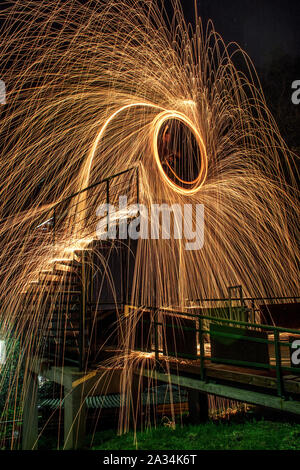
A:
(92, 90)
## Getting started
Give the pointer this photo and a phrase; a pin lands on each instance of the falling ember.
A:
(93, 91)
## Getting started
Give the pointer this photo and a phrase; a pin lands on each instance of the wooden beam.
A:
(198, 406)
(253, 379)
(74, 418)
(233, 393)
(84, 378)
(30, 413)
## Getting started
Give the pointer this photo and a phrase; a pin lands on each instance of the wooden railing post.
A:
(137, 186)
(156, 346)
(202, 350)
(54, 223)
(82, 314)
(107, 202)
(280, 388)
(253, 311)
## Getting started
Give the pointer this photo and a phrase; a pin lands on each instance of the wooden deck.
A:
(232, 374)
(248, 384)
(233, 390)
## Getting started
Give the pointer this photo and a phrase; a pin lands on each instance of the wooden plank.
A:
(249, 379)
(290, 385)
(243, 375)
(226, 391)
(84, 379)
(239, 349)
(179, 336)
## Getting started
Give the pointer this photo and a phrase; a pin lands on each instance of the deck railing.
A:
(202, 330)
(253, 304)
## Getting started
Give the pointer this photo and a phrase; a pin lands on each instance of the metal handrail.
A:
(278, 367)
(97, 183)
(59, 214)
(245, 298)
(223, 320)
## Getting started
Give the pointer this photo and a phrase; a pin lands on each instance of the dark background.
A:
(269, 31)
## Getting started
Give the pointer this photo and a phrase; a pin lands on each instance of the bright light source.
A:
(2, 352)
(189, 102)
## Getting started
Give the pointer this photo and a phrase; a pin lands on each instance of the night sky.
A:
(269, 31)
(264, 28)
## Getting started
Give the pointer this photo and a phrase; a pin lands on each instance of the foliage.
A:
(11, 380)
(250, 435)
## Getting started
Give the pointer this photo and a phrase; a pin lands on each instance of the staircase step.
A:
(65, 274)
(59, 333)
(52, 306)
(65, 266)
(56, 284)
(35, 298)
(57, 281)
(66, 344)
(59, 322)
(70, 263)
(64, 286)
(49, 277)
(78, 253)
(60, 283)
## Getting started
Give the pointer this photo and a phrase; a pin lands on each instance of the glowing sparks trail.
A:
(199, 181)
(89, 90)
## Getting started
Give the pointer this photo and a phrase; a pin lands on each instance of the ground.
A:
(250, 435)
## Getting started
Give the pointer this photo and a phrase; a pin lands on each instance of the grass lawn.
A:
(249, 435)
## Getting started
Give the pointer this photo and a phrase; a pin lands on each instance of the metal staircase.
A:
(59, 304)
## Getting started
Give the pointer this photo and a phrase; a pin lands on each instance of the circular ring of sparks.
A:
(198, 182)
